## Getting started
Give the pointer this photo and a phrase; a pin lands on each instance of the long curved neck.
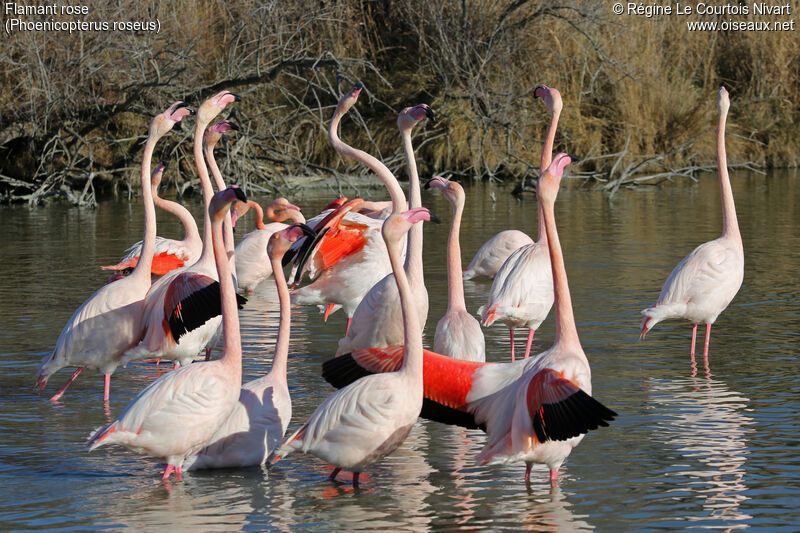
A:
(142, 268)
(189, 225)
(259, 214)
(544, 162)
(566, 332)
(455, 283)
(227, 224)
(281, 356)
(413, 263)
(232, 348)
(730, 224)
(385, 175)
(412, 339)
(205, 184)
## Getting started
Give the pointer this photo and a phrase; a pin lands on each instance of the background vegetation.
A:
(639, 94)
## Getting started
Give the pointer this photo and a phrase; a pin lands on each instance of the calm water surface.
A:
(694, 447)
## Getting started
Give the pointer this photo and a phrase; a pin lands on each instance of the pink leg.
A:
(511, 332)
(348, 326)
(708, 340)
(355, 479)
(694, 337)
(106, 387)
(208, 354)
(178, 473)
(528, 473)
(334, 473)
(554, 478)
(176, 366)
(167, 472)
(530, 340)
(61, 391)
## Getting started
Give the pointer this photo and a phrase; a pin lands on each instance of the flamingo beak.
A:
(429, 113)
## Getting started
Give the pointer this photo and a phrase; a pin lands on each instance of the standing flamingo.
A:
(535, 410)
(377, 320)
(110, 321)
(257, 423)
(522, 292)
(347, 281)
(176, 415)
(703, 284)
(494, 252)
(181, 313)
(458, 334)
(252, 263)
(210, 139)
(370, 418)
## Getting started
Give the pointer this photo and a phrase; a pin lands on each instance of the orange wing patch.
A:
(164, 262)
(130, 263)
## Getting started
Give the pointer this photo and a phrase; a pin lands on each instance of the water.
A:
(694, 447)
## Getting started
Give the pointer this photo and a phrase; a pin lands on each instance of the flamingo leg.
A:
(61, 391)
(178, 473)
(176, 366)
(167, 472)
(355, 479)
(694, 337)
(528, 344)
(511, 333)
(208, 354)
(348, 326)
(553, 478)
(528, 473)
(707, 341)
(106, 387)
(334, 473)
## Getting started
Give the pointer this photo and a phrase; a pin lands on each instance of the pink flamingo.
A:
(257, 423)
(210, 139)
(535, 410)
(458, 334)
(169, 253)
(522, 292)
(347, 282)
(181, 313)
(703, 284)
(377, 320)
(110, 321)
(176, 415)
(370, 418)
(494, 252)
(252, 263)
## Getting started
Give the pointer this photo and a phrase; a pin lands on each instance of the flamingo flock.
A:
(179, 298)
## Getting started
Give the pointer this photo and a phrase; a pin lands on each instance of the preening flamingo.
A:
(377, 320)
(535, 410)
(176, 415)
(181, 313)
(458, 333)
(371, 417)
(169, 254)
(350, 277)
(522, 291)
(252, 263)
(255, 426)
(494, 252)
(703, 284)
(110, 321)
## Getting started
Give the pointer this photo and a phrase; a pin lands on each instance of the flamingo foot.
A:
(57, 396)
(335, 472)
(694, 338)
(528, 344)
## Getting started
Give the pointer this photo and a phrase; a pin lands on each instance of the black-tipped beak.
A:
(536, 91)
(191, 111)
(435, 219)
(358, 86)
(307, 230)
(428, 184)
(240, 195)
(429, 113)
(234, 127)
(164, 163)
(236, 97)
(573, 158)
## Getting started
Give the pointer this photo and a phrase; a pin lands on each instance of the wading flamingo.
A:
(110, 321)
(458, 334)
(371, 417)
(535, 410)
(176, 415)
(257, 423)
(494, 252)
(181, 313)
(706, 280)
(522, 291)
(377, 320)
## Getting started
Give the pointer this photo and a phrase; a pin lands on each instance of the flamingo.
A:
(181, 313)
(535, 410)
(110, 320)
(252, 263)
(377, 320)
(522, 292)
(169, 253)
(210, 139)
(702, 285)
(349, 279)
(176, 415)
(494, 252)
(458, 334)
(370, 418)
(257, 423)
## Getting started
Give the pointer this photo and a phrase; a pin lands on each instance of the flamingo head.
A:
(398, 224)
(280, 209)
(163, 122)
(280, 241)
(158, 172)
(723, 101)
(214, 133)
(551, 179)
(452, 191)
(550, 97)
(214, 105)
(222, 200)
(348, 100)
(410, 116)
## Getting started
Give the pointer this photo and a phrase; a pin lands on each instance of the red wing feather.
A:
(130, 263)
(164, 262)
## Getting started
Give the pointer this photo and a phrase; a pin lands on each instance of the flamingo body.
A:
(252, 263)
(494, 252)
